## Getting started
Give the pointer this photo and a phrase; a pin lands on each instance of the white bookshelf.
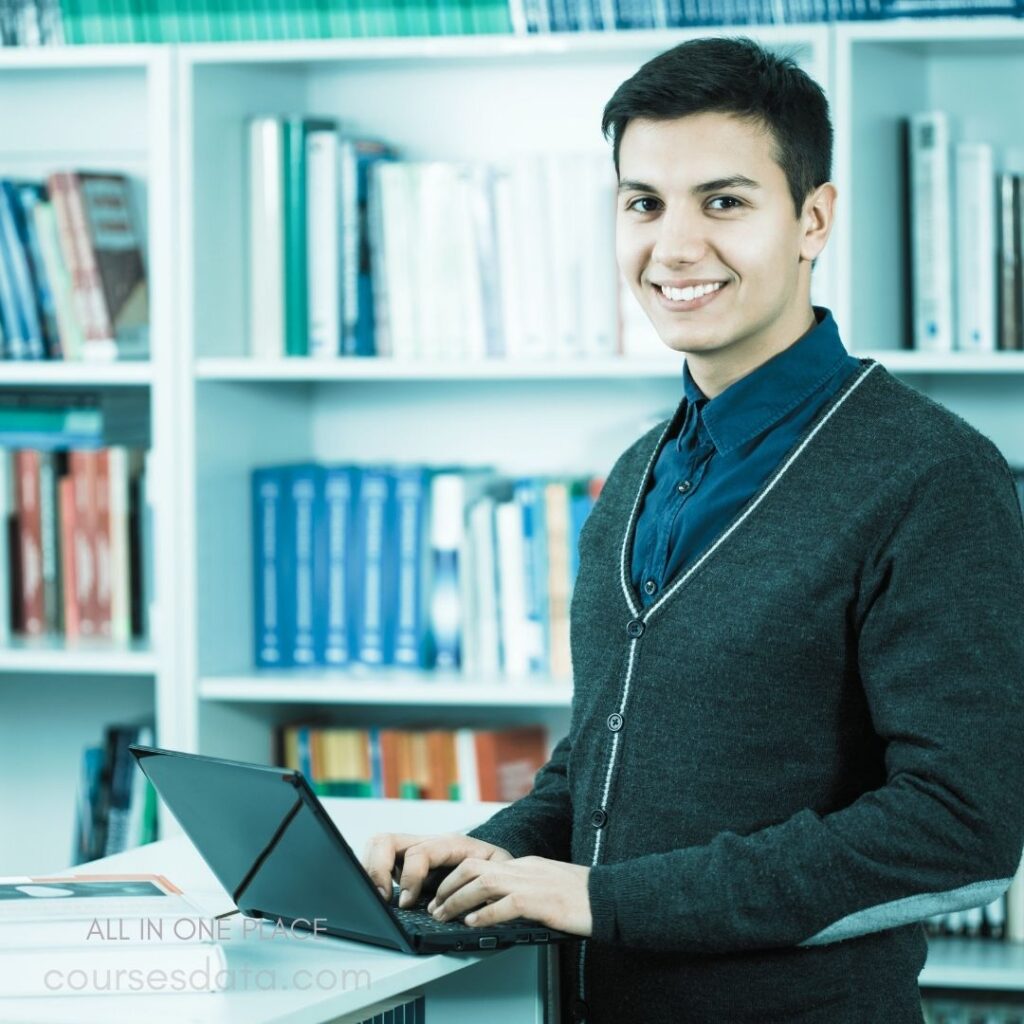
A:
(55, 656)
(76, 374)
(105, 108)
(175, 116)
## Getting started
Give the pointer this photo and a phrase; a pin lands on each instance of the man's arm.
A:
(540, 823)
(941, 658)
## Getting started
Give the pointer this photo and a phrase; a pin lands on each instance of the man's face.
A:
(678, 222)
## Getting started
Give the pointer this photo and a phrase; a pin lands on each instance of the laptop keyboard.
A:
(417, 917)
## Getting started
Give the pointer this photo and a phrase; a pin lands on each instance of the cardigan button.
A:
(580, 1010)
(635, 628)
(615, 722)
(599, 817)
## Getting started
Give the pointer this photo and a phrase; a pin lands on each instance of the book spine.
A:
(340, 490)
(19, 269)
(322, 236)
(100, 459)
(33, 611)
(49, 542)
(1011, 265)
(975, 247)
(266, 238)
(120, 567)
(296, 307)
(69, 557)
(267, 498)
(448, 501)
(303, 486)
(69, 330)
(100, 338)
(7, 509)
(515, 642)
(115, 246)
(375, 612)
(931, 243)
(31, 197)
(16, 341)
(350, 222)
(411, 551)
(373, 326)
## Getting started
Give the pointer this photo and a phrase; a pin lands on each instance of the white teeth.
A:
(687, 294)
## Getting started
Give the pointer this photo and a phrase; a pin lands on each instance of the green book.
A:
(343, 787)
(409, 791)
(491, 18)
(147, 24)
(336, 17)
(52, 421)
(296, 282)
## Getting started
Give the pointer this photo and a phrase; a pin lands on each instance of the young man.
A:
(798, 662)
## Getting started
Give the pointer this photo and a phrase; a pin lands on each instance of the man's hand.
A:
(550, 891)
(415, 860)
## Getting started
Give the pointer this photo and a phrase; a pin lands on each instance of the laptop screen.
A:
(270, 843)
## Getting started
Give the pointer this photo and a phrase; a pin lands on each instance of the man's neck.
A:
(714, 372)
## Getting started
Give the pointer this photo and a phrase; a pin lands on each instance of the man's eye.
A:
(640, 199)
(728, 199)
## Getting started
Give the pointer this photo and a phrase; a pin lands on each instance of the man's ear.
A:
(817, 219)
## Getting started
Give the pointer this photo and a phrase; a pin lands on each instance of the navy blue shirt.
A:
(727, 447)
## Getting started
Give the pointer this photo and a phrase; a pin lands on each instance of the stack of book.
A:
(964, 261)
(52, 22)
(416, 764)
(979, 1010)
(415, 566)
(115, 808)
(353, 252)
(543, 16)
(72, 276)
(75, 547)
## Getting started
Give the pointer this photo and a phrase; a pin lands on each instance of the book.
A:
(127, 934)
(975, 247)
(265, 247)
(268, 534)
(931, 241)
(1011, 262)
(358, 302)
(323, 241)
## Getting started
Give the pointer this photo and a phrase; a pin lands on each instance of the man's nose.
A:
(682, 238)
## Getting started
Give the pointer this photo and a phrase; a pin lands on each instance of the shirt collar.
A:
(752, 404)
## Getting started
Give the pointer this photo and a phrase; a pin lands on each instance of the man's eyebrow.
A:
(734, 181)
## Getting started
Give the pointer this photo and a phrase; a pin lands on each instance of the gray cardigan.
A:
(809, 743)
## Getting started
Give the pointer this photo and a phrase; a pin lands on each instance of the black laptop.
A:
(276, 851)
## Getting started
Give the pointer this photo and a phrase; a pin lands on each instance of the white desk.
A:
(503, 987)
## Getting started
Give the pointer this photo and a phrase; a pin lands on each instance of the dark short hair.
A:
(734, 76)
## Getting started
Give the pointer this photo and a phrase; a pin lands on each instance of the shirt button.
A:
(599, 817)
(650, 586)
(615, 722)
(635, 628)
(683, 487)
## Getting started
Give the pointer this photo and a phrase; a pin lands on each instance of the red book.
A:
(103, 542)
(30, 533)
(83, 473)
(508, 759)
(57, 189)
(68, 559)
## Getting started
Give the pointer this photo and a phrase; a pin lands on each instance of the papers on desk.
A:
(103, 934)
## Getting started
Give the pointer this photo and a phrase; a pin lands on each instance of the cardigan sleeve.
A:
(540, 823)
(940, 649)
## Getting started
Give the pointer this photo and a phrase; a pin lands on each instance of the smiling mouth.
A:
(686, 305)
